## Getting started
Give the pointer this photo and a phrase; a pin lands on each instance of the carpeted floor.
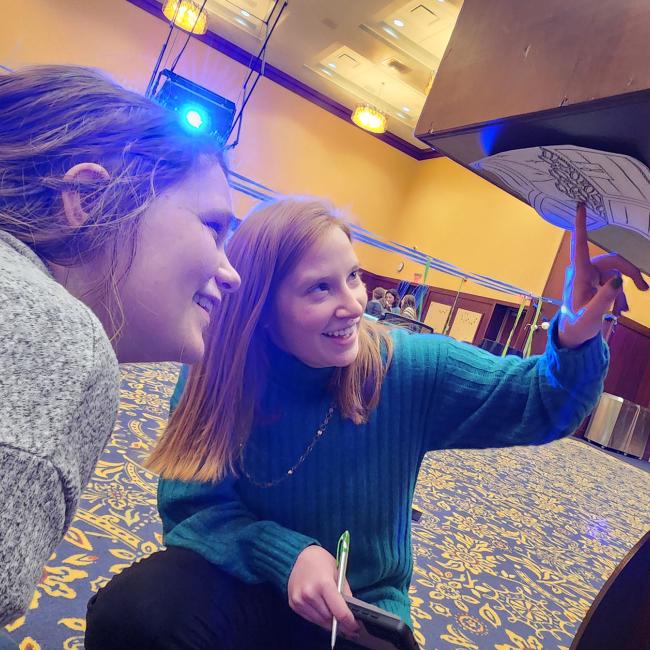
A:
(511, 549)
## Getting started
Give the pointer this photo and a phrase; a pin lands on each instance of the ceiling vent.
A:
(424, 15)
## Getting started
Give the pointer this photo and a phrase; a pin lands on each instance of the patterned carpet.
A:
(512, 547)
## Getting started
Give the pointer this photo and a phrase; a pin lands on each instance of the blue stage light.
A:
(193, 118)
(199, 110)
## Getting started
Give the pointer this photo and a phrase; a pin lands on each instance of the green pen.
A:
(342, 552)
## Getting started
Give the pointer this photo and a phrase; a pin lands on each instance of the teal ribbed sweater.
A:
(437, 394)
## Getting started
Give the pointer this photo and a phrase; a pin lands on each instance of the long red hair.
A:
(211, 425)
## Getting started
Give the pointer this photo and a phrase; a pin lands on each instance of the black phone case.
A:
(383, 625)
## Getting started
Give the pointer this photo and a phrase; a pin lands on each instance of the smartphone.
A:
(380, 630)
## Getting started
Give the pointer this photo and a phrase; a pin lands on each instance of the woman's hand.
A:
(591, 287)
(313, 592)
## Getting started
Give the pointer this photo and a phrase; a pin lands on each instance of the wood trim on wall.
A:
(483, 306)
(480, 304)
(276, 75)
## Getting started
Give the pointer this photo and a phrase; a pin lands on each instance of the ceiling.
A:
(377, 51)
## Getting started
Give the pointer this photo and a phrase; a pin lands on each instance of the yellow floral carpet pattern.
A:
(511, 549)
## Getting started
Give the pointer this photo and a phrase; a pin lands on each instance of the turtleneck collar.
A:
(288, 371)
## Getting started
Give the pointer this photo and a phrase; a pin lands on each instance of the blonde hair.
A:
(408, 301)
(53, 117)
(211, 425)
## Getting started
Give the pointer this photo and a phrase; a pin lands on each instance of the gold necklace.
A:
(319, 434)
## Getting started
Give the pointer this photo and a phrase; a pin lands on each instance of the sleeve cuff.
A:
(588, 361)
(275, 552)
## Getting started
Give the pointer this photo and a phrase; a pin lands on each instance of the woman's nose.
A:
(227, 277)
(351, 306)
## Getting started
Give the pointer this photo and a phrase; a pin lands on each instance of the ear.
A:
(81, 173)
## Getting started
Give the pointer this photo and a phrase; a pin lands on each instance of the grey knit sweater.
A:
(59, 383)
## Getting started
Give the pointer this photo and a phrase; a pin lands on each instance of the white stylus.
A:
(342, 553)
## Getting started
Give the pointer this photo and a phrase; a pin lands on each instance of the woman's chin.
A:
(191, 352)
(346, 357)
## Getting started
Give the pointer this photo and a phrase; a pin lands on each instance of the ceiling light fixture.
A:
(187, 15)
(332, 65)
(390, 32)
(406, 109)
(398, 23)
(245, 13)
(369, 118)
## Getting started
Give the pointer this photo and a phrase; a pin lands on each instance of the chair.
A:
(619, 618)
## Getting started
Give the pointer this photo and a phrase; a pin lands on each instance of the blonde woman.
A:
(408, 307)
(112, 227)
(287, 433)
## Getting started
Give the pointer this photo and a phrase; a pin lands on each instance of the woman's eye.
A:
(321, 286)
(355, 275)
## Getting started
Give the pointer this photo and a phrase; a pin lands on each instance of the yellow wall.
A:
(458, 217)
(293, 146)
(639, 302)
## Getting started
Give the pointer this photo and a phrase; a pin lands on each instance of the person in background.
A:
(305, 419)
(112, 228)
(408, 307)
(391, 301)
(374, 306)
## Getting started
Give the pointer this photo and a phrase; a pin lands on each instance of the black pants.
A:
(177, 600)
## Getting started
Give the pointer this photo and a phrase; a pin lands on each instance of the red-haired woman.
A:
(305, 419)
